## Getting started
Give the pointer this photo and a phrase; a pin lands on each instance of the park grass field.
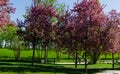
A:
(20, 67)
(26, 68)
(7, 53)
(27, 53)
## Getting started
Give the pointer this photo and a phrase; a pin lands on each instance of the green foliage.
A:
(9, 33)
(61, 9)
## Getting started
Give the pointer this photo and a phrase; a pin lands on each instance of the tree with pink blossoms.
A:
(78, 27)
(5, 10)
(89, 17)
(111, 33)
(39, 27)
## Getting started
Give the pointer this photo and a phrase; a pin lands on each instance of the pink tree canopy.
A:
(5, 10)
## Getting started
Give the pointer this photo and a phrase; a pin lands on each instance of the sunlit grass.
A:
(20, 67)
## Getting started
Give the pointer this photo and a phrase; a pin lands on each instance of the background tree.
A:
(111, 33)
(5, 10)
(11, 40)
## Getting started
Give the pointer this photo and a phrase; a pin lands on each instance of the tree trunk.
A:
(94, 58)
(68, 55)
(86, 62)
(33, 55)
(45, 55)
(16, 49)
(118, 55)
(17, 57)
(58, 55)
(41, 53)
(38, 52)
(113, 61)
(76, 58)
(10, 44)
(105, 56)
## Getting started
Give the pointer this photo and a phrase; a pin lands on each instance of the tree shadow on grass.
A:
(26, 67)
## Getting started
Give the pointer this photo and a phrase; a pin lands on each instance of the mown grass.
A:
(51, 54)
(28, 54)
(109, 56)
(9, 66)
(26, 68)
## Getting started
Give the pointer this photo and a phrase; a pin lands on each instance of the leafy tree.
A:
(89, 17)
(8, 34)
(5, 10)
(111, 33)
(39, 26)
(10, 37)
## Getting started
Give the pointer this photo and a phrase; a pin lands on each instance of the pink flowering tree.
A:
(89, 17)
(39, 27)
(80, 29)
(111, 33)
(5, 10)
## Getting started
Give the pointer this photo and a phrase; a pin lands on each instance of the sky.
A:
(21, 5)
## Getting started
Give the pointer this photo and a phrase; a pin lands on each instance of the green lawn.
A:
(4, 53)
(26, 68)
(7, 53)
(9, 66)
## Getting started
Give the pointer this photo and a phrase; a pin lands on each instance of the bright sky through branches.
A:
(21, 5)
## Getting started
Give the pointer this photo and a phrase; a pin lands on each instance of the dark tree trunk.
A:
(33, 55)
(94, 58)
(76, 58)
(45, 55)
(68, 55)
(86, 62)
(105, 56)
(113, 61)
(17, 53)
(58, 55)
(38, 52)
(41, 53)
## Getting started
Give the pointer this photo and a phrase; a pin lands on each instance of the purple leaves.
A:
(111, 29)
(85, 27)
(90, 11)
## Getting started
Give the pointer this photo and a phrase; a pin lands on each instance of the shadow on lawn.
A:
(20, 67)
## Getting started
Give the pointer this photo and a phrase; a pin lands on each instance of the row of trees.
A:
(85, 28)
